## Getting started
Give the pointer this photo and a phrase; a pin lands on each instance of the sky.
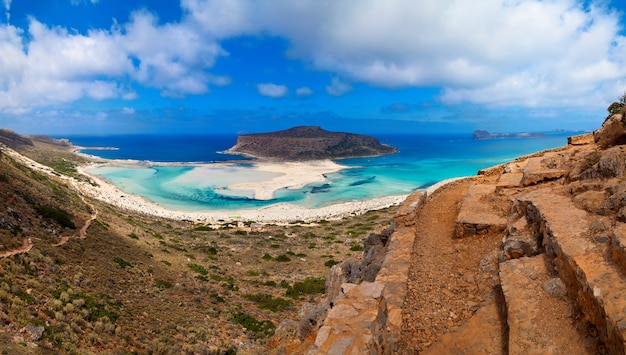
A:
(367, 66)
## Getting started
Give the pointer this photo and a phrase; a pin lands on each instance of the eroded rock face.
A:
(611, 133)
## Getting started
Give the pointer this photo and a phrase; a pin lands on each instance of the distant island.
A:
(308, 143)
(482, 134)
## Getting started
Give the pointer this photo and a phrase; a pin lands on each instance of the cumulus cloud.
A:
(48, 66)
(338, 87)
(128, 110)
(304, 91)
(272, 90)
(527, 52)
(530, 53)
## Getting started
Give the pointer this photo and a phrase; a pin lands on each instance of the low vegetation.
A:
(139, 284)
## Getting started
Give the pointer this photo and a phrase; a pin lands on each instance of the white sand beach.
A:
(294, 175)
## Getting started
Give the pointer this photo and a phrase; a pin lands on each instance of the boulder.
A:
(611, 133)
(590, 201)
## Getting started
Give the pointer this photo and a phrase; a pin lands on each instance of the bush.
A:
(331, 263)
(266, 256)
(133, 236)
(162, 284)
(282, 258)
(269, 302)
(310, 286)
(198, 269)
(357, 247)
(260, 328)
(57, 215)
(122, 263)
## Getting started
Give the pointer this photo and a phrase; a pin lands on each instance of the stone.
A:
(610, 133)
(516, 248)
(590, 201)
(33, 333)
(581, 139)
(555, 288)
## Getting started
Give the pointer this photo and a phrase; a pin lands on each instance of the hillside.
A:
(308, 143)
(80, 276)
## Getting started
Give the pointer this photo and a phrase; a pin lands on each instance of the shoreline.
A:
(293, 175)
(276, 213)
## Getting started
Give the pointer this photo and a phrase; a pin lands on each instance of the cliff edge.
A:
(308, 143)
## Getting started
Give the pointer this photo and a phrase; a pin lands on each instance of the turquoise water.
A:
(422, 161)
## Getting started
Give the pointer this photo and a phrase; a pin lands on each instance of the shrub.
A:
(260, 328)
(133, 236)
(331, 263)
(162, 284)
(310, 286)
(282, 258)
(266, 256)
(269, 302)
(356, 247)
(198, 269)
(57, 215)
(122, 263)
(216, 298)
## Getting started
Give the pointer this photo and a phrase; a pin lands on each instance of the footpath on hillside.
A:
(450, 280)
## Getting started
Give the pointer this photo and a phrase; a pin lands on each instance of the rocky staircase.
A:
(592, 279)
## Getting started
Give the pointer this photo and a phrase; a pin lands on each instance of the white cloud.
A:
(48, 66)
(128, 110)
(304, 91)
(338, 87)
(523, 52)
(272, 90)
(531, 53)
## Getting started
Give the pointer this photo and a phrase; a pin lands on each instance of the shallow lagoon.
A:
(422, 161)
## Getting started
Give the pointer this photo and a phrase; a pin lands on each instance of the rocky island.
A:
(308, 143)
(482, 134)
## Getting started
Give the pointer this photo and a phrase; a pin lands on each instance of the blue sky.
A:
(140, 66)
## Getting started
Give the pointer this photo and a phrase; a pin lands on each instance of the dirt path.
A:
(27, 245)
(449, 279)
(82, 233)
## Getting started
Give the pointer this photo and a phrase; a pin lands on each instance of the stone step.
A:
(512, 176)
(476, 216)
(595, 283)
(537, 309)
(535, 172)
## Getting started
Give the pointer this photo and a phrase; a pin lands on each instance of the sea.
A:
(422, 160)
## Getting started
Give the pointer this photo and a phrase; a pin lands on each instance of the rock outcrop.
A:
(308, 143)
(559, 265)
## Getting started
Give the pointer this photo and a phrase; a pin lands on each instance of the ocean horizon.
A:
(422, 160)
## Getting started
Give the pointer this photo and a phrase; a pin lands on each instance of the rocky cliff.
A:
(308, 143)
(527, 257)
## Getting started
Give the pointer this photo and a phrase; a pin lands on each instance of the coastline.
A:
(301, 174)
(277, 213)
